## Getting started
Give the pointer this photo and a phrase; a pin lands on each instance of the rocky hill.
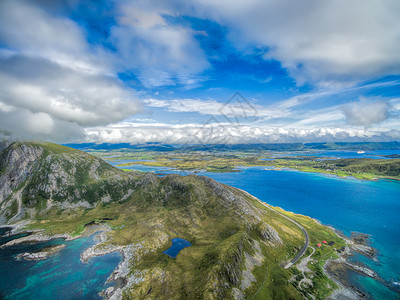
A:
(34, 177)
(239, 246)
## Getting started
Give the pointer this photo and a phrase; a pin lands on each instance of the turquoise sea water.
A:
(61, 276)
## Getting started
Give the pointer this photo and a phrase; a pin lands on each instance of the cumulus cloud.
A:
(44, 86)
(158, 52)
(366, 112)
(227, 133)
(52, 82)
(328, 42)
(25, 124)
(29, 29)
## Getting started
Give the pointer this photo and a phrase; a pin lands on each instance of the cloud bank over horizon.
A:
(157, 71)
(226, 133)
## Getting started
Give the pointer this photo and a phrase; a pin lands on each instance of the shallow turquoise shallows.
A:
(61, 276)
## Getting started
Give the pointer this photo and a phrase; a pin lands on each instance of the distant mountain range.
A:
(365, 146)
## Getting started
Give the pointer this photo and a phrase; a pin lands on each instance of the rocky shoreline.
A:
(37, 237)
(16, 227)
(99, 249)
(121, 275)
(44, 253)
(338, 269)
(360, 244)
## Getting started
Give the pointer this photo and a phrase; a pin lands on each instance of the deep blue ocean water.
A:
(177, 245)
(61, 276)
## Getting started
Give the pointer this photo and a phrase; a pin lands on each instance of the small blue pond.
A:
(177, 245)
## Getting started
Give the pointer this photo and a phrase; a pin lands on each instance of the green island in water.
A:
(240, 247)
(212, 159)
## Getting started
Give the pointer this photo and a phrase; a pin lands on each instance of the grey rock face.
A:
(16, 164)
(269, 234)
(36, 177)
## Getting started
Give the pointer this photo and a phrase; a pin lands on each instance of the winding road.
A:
(302, 250)
(307, 239)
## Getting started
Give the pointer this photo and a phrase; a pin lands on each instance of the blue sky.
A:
(169, 71)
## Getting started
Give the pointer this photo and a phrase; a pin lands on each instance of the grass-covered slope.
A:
(238, 245)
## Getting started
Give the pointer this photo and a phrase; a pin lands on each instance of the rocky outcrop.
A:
(360, 243)
(40, 255)
(35, 177)
(233, 268)
(37, 237)
(251, 261)
(269, 234)
(16, 164)
(100, 248)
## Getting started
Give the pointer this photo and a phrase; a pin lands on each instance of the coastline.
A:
(337, 269)
(120, 275)
(236, 168)
(357, 243)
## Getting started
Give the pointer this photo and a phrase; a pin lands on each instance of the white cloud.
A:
(366, 112)
(43, 86)
(55, 85)
(26, 28)
(328, 42)
(290, 113)
(160, 53)
(22, 123)
(52, 82)
(219, 132)
(213, 107)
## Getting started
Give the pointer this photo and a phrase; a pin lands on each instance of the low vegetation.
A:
(361, 168)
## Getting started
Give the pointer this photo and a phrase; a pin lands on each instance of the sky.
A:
(200, 71)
